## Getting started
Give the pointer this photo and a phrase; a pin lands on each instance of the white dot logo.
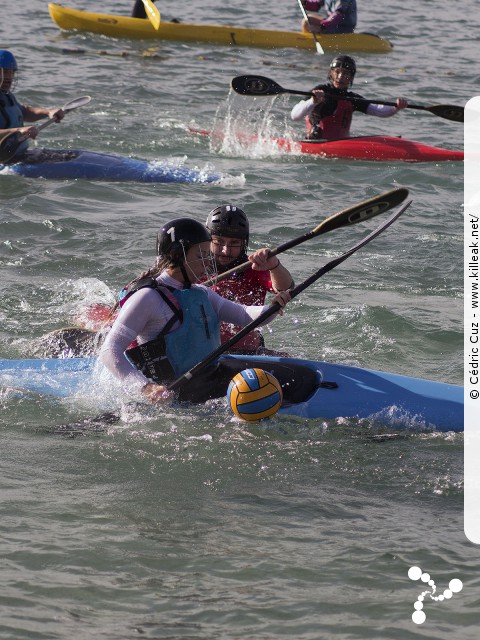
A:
(415, 573)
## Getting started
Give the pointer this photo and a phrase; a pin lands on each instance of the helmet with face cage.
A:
(177, 236)
(229, 221)
(7, 60)
(344, 62)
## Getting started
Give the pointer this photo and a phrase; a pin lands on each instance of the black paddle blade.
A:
(256, 86)
(275, 307)
(72, 342)
(87, 426)
(448, 111)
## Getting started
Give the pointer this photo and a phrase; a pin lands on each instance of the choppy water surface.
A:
(189, 524)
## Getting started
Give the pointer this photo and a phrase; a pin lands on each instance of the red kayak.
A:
(373, 148)
(95, 317)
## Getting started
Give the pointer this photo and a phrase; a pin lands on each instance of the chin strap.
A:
(186, 280)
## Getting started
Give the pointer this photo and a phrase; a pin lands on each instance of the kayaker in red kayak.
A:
(229, 228)
(341, 16)
(13, 115)
(329, 111)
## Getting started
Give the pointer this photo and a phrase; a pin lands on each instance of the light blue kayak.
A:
(73, 164)
(311, 389)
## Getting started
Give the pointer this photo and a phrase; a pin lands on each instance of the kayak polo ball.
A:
(254, 394)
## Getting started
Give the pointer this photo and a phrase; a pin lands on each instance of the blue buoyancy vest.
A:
(172, 353)
(11, 116)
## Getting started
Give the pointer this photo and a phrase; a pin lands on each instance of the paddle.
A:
(11, 141)
(318, 46)
(359, 212)
(262, 86)
(275, 307)
(152, 12)
(113, 418)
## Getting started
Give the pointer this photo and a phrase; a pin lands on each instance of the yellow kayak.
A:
(126, 27)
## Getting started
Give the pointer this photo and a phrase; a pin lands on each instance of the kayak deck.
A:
(116, 26)
(374, 148)
(79, 164)
(318, 389)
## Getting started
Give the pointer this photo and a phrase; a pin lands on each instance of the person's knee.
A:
(313, 24)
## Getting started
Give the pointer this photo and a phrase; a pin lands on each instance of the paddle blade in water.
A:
(153, 13)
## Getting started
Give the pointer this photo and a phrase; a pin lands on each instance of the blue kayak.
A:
(73, 164)
(311, 389)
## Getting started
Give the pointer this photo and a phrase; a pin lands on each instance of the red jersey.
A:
(249, 287)
(331, 120)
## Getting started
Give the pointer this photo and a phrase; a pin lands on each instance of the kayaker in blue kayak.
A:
(329, 111)
(172, 321)
(341, 16)
(230, 230)
(13, 115)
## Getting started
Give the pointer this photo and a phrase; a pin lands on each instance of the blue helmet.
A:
(7, 60)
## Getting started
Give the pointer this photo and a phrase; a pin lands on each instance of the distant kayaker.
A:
(13, 115)
(329, 111)
(341, 16)
(229, 228)
(173, 321)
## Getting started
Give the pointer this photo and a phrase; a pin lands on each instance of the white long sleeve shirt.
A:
(305, 108)
(145, 314)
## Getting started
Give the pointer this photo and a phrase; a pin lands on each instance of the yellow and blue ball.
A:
(254, 394)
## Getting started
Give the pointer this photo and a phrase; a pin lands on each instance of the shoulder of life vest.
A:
(164, 291)
(135, 286)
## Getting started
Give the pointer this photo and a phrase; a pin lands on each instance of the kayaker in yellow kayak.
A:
(329, 111)
(341, 16)
(13, 115)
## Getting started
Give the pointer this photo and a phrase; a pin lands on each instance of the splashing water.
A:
(248, 127)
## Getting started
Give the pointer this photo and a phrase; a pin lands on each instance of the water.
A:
(189, 524)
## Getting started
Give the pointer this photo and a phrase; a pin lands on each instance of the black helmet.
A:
(230, 221)
(344, 62)
(177, 236)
